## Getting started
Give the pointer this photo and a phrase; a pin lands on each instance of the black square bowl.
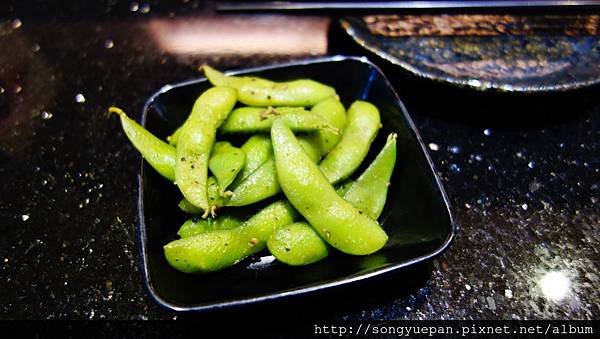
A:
(416, 217)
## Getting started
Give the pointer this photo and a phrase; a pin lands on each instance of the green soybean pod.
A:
(369, 192)
(309, 147)
(214, 197)
(172, 139)
(343, 187)
(301, 244)
(297, 244)
(333, 111)
(156, 152)
(187, 207)
(258, 150)
(258, 119)
(226, 161)
(336, 220)
(256, 91)
(218, 249)
(195, 143)
(362, 127)
(197, 226)
(260, 185)
(263, 183)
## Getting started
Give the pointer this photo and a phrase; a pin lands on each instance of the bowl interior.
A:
(416, 216)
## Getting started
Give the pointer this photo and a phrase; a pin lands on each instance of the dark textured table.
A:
(521, 171)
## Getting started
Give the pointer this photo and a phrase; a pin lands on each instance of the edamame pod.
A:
(156, 152)
(162, 157)
(258, 186)
(258, 150)
(333, 111)
(187, 207)
(337, 221)
(263, 183)
(215, 250)
(172, 139)
(309, 148)
(310, 251)
(258, 119)
(225, 222)
(363, 124)
(197, 226)
(256, 91)
(343, 187)
(369, 192)
(215, 199)
(297, 244)
(225, 163)
(195, 143)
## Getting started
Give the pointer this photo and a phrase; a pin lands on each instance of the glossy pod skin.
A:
(196, 226)
(260, 227)
(363, 124)
(214, 197)
(260, 185)
(188, 208)
(225, 163)
(196, 141)
(258, 150)
(172, 139)
(160, 155)
(305, 245)
(343, 187)
(263, 183)
(336, 220)
(333, 111)
(256, 91)
(297, 244)
(258, 119)
(368, 194)
(215, 250)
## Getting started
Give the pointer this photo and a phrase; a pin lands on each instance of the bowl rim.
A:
(350, 25)
(142, 236)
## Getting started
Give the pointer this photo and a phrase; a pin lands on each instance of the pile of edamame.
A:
(300, 142)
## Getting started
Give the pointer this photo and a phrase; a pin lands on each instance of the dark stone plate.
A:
(416, 217)
(509, 63)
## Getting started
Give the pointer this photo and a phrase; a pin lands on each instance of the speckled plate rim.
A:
(303, 289)
(474, 83)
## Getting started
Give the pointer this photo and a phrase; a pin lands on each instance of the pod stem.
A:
(269, 112)
(225, 193)
(213, 211)
(332, 129)
(117, 110)
(392, 137)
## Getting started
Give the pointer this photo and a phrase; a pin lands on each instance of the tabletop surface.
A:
(521, 171)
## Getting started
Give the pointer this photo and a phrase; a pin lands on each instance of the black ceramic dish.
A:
(416, 217)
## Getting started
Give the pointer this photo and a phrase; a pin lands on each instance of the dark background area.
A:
(521, 172)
